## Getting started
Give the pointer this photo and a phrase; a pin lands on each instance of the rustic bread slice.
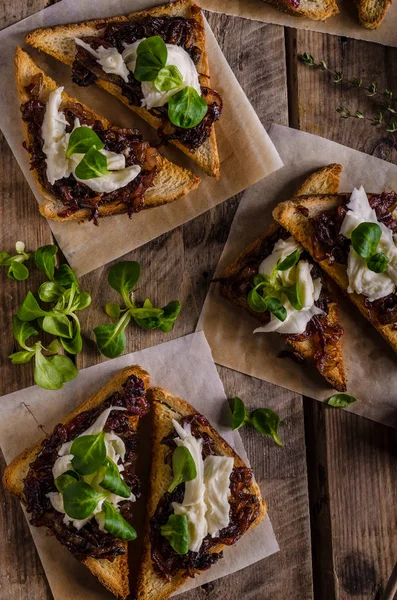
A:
(317, 10)
(172, 182)
(112, 574)
(372, 12)
(290, 215)
(59, 42)
(332, 369)
(164, 408)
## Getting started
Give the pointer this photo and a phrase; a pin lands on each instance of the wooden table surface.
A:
(331, 490)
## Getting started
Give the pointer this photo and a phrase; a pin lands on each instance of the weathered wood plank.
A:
(351, 462)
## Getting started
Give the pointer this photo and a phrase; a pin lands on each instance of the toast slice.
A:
(165, 408)
(324, 353)
(316, 10)
(295, 215)
(112, 574)
(59, 42)
(372, 12)
(170, 183)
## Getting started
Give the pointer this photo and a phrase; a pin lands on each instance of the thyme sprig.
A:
(385, 108)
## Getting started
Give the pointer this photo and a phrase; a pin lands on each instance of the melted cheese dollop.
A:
(206, 500)
(178, 57)
(109, 59)
(296, 320)
(58, 166)
(115, 450)
(361, 279)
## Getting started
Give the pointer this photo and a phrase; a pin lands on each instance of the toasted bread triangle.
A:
(112, 574)
(372, 12)
(332, 369)
(172, 182)
(291, 218)
(59, 43)
(164, 408)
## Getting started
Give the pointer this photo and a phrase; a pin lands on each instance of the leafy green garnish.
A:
(16, 269)
(62, 482)
(45, 260)
(290, 261)
(341, 400)
(274, 306)
(89, 453)
(168, 78)
(110, 337)
(80, 500)
(83, 139)
(151, 58)
(116, 525)
(263, 419)
(113, 482)
(365, 239)
(186, 108)
(177, 533)
(52, 372)
(183, 467)
(378, 263)
(93, 164)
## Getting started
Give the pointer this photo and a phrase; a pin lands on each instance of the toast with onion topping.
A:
(59, 42)
(372, 12)
(316, 10)
(297, 214)
(170, 183)
(323, 347)
(112, 574)
(153, 582)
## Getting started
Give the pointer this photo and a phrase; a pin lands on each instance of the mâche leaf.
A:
(176, 532)
(240, 415)
(274, 306)
(186, 108)
(290, 261)
(93, 164)
(168, 78)
(113, 482)
(293, 294)
(113, 310)
(110, 338)
(116, 525)
(49, 291)
(22, 357)
(183, 467)
(16, 269)
(169, 316)
(151, 58)
(64, 366)
(62, 482)
(341, 400)
(80, 500)
(83, 139)
(256, 301)
(30, 309)
(22, 330)
(66, 276)
(89, 453)
(75, 344)
(267, 423)
(365, 239)
(378, 263)
(44, 257)
(123, 277)
(58, 324)
(46, 374)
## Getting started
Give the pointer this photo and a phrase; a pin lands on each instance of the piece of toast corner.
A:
(316, 10)
(166, 407)
(59, 42)
(114, 575)
(171, 182)
(372, 12)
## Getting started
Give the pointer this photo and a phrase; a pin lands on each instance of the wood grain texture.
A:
(351, 461)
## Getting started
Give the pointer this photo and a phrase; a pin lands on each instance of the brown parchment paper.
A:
(370, 362)
(185, 367)
(345, 23)
(239, 135)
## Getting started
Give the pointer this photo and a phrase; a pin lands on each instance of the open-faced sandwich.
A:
(283, 288)
(202, 498)
(85, 167)
(80, 483)
(352, 238)
(155, 62)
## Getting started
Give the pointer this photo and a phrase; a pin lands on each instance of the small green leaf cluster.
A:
(186, 108)
(16, 267)
(83, 140)
(110, 338)
(365, 239)
(62, 294)
(264, 420)
(267, 291)
(80, 498)
(341, 400)
(176, 528)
